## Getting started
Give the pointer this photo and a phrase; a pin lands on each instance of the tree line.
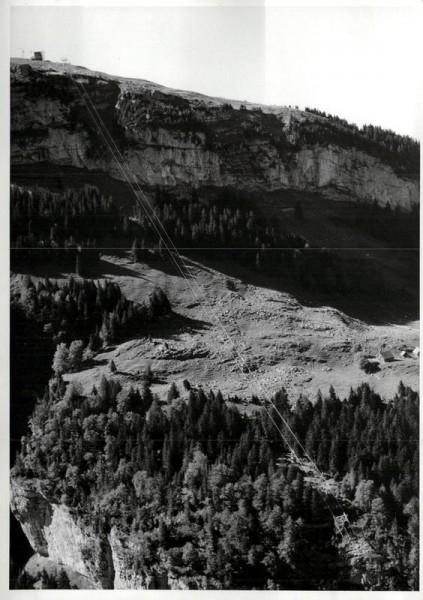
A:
(57, 227)
(193, 224)
(95, 312)
(400, 229)
(401, 152)
(247, 239)
(65, 229)
(72, 319)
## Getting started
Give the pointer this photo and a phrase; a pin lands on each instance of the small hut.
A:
(38, 55)
(386, 356)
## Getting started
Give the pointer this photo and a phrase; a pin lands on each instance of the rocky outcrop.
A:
(55, 533)
(174, 140)
(123, 554)
(339, 171)
(37, 564)
(34, 513)
(61, 539)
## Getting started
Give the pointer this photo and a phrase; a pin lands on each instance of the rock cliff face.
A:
(182, 140)
(55, 533)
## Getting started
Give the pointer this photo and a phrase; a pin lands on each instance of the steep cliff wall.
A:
(170, 140)
(56, 534)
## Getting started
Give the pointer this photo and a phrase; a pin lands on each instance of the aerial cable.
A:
(161, 231)
(179, 256)
(181, 259)
(175, 249)
(125, 175)
(208, 315)
(245, 366)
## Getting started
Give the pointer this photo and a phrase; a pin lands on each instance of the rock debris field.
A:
(244, 340)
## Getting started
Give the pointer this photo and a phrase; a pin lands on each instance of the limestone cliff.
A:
(54, 532)
(61, 537)
(179, 139)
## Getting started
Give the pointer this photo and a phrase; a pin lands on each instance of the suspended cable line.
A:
(143, 202)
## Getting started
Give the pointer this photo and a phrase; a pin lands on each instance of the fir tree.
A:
(75, 354)
(61, 359)
(135, 250)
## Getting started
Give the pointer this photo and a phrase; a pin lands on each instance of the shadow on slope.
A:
(398, 306)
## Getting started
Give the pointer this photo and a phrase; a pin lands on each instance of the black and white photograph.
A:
(214, 225)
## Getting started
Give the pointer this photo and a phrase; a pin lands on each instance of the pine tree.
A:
(103, 389)
(105, 332)
(125, 224)
(61, 359)
(75, 354)
(173, 393)
(135, 251)
(163, 301)
(258, 260)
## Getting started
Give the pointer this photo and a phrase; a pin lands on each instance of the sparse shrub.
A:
(368, 366)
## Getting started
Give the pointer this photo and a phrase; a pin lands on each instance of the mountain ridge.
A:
(178, 139)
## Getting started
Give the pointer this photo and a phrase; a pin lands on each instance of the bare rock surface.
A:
(57, 534)
(224, 147)
(37, 564)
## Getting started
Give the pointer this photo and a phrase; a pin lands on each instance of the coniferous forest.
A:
(196, 490)
(201, 493)
(208, 496)
(66, 230)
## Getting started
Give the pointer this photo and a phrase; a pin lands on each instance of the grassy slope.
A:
(400, 266)
(285, 339)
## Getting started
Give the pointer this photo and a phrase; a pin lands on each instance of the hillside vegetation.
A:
(167, 425)
(196, 490)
